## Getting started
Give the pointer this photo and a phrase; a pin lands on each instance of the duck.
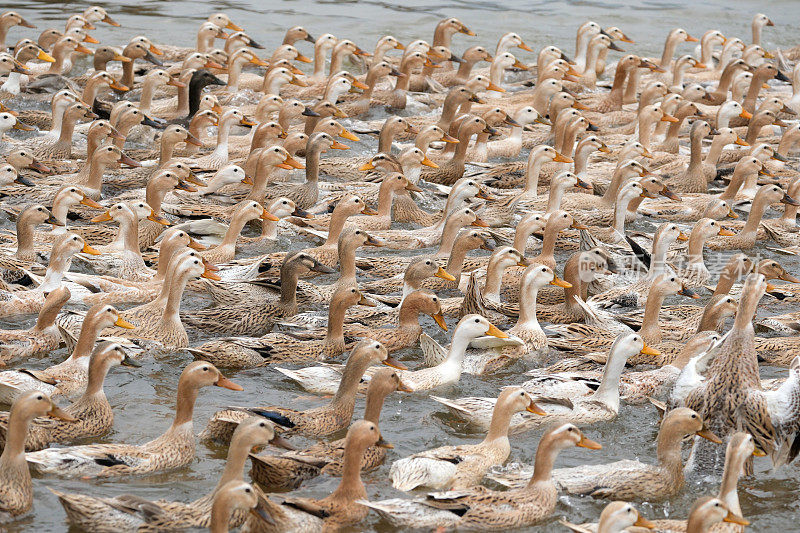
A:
(338, 510)
(463, 467)
(600, 406)
(630, 480)
(173, 449)
(483, 508)
(693, 271)
(16, 498)
(706, 513)
(42, 337)
(243, 212)
(450, 171)
(96, 512)
(290, 469)
(232, 497)
(760, 416)
(317, 422)
(91, 413)
(616, 516)
(70, 376)
(248, 352)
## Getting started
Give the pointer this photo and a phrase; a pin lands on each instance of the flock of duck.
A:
(223, 172)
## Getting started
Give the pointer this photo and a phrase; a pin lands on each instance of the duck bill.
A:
(428, 163)
(225, 383)
(90, 39)
(731, 214)
(57, 412)
(579, 183)
(360, 85)
(89, 250)
(191, 139)
(732, 518)
(708, 435)
(747, 115)
(669, 193)
(413, 188)
(647, 350)
(105, 217)
(542, 120)
(689, 293)
(83, 50)
(280, 442)
(308, 112)
(476, 99)
(770, 287)
(155, 217)
(682, 237)
(511, 122)
(339, 146)
(53, 220)
(404, 387)
(88, 202)
(778, 157)
(44, 56)
(384, 444)
(122, 323)
(483, 195)
(322, 269)
(518, 64)
(349, 136)
(21, 126)
(260, 512)
(560, 158)
(109, 20)
(668, 118)
(366, 166)
(449, 139)
(175, 83)
(788, 200)
(183, 186)
(525, 47)
(764, 171)
(488, 246)
(725, 232)
(494, 331)
(394, 363)
(479, 223)
(297, 81)
(293, 163)
(39, 167)
(495, 88)
(644, 522)
(589, 443)
(535, 409)
(244, 121)
(740, 141)
(133, 363)
(577, 225)
(212, 64)
(368, 211)
(788, 277)
(439, 319)
(558, 282)
(301, 213)
(120, 57)
(114, 134)
(367, 302)
(466, 31)
(132, 163)
(22, 180)
(444, 274)
(372, 241)
(194, 245)
(266, 215)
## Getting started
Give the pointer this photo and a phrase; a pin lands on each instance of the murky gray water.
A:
(144, 399)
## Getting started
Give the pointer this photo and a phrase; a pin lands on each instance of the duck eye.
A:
(205, 369)
(477, 320)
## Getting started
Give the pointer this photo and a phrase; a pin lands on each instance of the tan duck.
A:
(335, 511)
(452, 170)
(174, 449)
(42, 337)
(96, 512)
(235, 496)
(706, 514)
(163, 328)
(462, 467)
(71, 375)
(16, 496)
(317, 422)
(734, 372)
(244, 212)
(91, 413)
(482, 508)
(631, 480)
(602, 405)
(62, 147)
(248, 352)
(290, 469)
(692, 269)
(616, 517)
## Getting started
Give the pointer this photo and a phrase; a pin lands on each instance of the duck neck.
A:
(55, 273)
(751, 97)
(449, 234)
(184, 410)
(335, 332)
(234, 72)
(374, 404)
(47, 316)
(728, 492)
(543, 464)
(347, 265)
(345, 398)
(737, 180)
(127, 74)
(608, 391)
(549, 242)
(338, 220)
(409, 315)
(787, 142)
(458, 348)
(166, 150)
(234, 229)
(223, 133)
(154, 195)
(289, 279)
(25, 231)
(172, 308)
(724, 84)
(449, 109)
(527, 308)
(715, 150)
(128, 236)
(725, 281)
(312, 164)
(754, 218)
(86, 339)
(183, 106)
(580, 288)
(620, 210)
(238, 451)
(351, 487)
(650, 330)
(12, 461)
(554, 199)
(669, 451)
(455, 263)
(58, 117)
(632, 87)
(669, 52)
(697, 239)
(94, 386)
(612, 191)
(498, 427)
(67, 129)
(494, 278)
(320, 53)
(620, 75)
(532, 175)
(96, 169)
(148, 88)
